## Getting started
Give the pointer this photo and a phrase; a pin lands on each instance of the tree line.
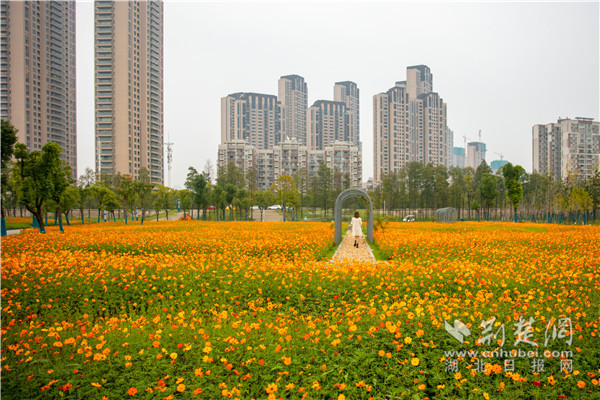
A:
(480, 193)
(40, 183)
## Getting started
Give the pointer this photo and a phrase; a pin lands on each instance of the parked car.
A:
(275, 207)
(409, 218)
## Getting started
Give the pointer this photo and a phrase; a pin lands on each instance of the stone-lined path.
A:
(349, 252)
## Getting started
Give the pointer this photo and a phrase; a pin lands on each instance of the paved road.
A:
(347, 251)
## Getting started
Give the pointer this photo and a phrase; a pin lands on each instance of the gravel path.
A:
(349, 252)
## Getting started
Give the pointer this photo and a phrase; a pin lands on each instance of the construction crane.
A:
(466, 138)
(501, 156)
(480, 136)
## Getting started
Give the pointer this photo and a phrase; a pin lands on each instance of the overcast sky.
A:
(500, 67)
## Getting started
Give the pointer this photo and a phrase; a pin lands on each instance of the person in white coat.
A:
(356, 227)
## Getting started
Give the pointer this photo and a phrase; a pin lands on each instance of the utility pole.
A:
(169, 146)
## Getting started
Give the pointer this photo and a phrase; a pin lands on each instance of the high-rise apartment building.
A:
(293, 95)
(347, 92)
(569, 145)
(273, 136)
(449, 148)
(253, 117)
(475, 154)
(289, 158)
(129, 87)
(327, 122)
(409, 124)
(38, 73)
(459, 157)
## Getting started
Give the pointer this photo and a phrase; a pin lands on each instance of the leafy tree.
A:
(512, 180)
(475, 206)
(127, 194)
(9, 138)
(579, 201)
(441, 191)
(488, 191)
(301, 180)
(284, 190)
(230, 174)
(263, 201)
(592, 187)
(324, 184)
(457, 189)
(110, 203)
(414, 173)
(469, 188)
(219, 200)
(197, 184)
(185, 200)
(164, 199)
(69, 199)
(43, 176)
(230, 191)
(252, 185)
(97, 192)
(428, 186)
(143, 190)
(83, 197)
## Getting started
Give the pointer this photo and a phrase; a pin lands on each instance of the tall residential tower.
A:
(37, 86)
(347, 92)
(567, 146)
(293, 95)
(409, 124)
(129, 87)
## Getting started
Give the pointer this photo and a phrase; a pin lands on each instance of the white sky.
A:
(500, 67)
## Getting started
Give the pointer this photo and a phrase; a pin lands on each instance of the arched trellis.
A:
(339, 202)
(447, 214)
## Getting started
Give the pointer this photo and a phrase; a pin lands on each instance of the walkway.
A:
(269, 216)
(348, 251)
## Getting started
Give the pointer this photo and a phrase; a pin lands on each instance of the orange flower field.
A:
(209, 310)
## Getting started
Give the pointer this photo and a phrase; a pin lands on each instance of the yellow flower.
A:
(180, 387)
(414, 361)
(408, 340)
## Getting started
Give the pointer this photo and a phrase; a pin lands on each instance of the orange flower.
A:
(580, 384)
(132, 391)
(271, 388)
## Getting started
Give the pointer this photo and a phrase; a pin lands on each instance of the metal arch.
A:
(339, 202)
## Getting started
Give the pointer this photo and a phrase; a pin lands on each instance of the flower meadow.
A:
(191, 309)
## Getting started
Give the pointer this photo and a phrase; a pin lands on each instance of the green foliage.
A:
(9, 138)
(163, 199)
(126, 192)
(43, 177)
(512, 180)
(488, 190)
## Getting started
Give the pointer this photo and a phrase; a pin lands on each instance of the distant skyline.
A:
(499, 67)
